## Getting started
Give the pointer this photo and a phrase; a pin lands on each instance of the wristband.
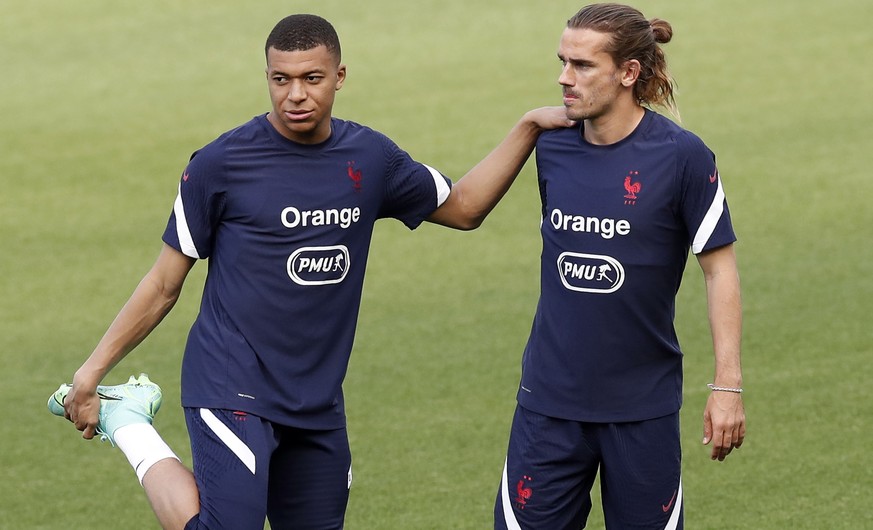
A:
(724, 389)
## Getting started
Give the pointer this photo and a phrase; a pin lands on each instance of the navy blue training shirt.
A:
(617, 225)
(286, 228)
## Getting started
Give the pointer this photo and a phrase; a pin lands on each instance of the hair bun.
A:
(662, 30)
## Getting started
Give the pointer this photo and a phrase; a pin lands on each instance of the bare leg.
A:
(172, 492)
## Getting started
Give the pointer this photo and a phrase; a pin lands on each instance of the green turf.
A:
(102, 103)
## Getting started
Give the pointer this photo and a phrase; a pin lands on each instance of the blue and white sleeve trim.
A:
(186, 242)
(442, 188)
(710, 221)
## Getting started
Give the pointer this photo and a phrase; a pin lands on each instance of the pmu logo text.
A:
(590, 273)
(319, 265)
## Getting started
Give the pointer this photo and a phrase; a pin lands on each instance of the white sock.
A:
(143, 447)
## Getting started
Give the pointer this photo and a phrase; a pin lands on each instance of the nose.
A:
(296, 91)
(566, 78)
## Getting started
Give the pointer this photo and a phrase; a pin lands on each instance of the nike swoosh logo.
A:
(666, 507)
(713, 178)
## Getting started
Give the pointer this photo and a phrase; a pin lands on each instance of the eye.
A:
(280, 79)
(314, 79)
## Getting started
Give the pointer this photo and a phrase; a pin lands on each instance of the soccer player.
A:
(625, 195)
(283, 207)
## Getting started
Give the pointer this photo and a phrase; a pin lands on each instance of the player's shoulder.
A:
(209, 163)
(563, 136)
(348, 130)
(246, 134)
(357, 137)
(668, 129)
(693, 157)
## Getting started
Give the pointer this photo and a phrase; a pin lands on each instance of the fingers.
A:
(707, 428)
(88, 432)
(725, 429)
(83, 415)
(739, 436)
(87, 426)
(722, 448)
(721, 443)
(724, 441)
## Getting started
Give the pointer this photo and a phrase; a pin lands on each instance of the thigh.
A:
(641, 474)
(550, 467)
(310, 477)
(231, 453)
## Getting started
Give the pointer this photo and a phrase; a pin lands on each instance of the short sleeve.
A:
(703, 205)
(413, 190)
(197, 208)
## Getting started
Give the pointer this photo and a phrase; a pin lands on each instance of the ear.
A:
(340, 76)
(630, 72)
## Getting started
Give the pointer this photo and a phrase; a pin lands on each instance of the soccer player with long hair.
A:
(625, 195)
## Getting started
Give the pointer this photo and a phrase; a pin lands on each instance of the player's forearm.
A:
(726, 331)
(140, 315)
(725, 319)
(150, 302)
(478, 192)
(487, 182)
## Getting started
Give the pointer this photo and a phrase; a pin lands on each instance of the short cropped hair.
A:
(304, 32)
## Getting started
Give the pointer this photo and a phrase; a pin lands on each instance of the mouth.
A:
(569, 98)
(298, 115)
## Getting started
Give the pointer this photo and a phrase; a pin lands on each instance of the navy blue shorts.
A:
(551, 465)
(248, 469)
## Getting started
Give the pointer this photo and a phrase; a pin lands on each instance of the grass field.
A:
(102, 103)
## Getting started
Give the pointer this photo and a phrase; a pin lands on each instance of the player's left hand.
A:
(724, 423)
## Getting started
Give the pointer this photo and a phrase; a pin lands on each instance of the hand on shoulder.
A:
(545, 118)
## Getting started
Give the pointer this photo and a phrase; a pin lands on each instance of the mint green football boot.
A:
(136, 401)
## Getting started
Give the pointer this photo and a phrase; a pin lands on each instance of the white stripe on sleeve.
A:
(231, 440)
(182, 230)
(442, 188)
(710, 220)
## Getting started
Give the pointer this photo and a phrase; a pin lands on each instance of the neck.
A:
(614, 126)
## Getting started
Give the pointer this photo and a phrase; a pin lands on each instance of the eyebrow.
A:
(579, 62)
(307, 73)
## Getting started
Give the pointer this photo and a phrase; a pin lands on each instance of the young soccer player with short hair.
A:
(283, 207)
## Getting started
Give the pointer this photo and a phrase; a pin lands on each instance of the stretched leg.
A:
(232, 451)
(125, 419)
(172, 492)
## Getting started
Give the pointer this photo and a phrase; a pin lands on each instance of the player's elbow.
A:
(464, 225)
(460, 213)
(471, 222)
(458, 218)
